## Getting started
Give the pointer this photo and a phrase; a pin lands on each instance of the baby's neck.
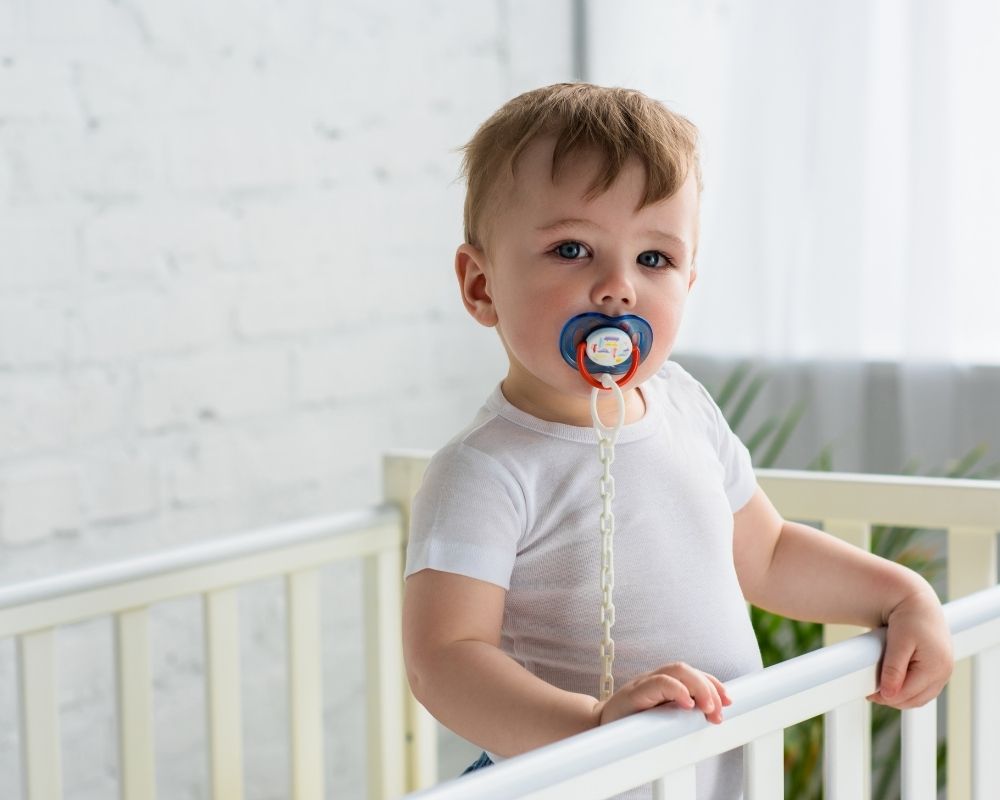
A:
(574, 411)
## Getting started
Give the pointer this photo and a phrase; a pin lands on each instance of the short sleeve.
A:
(740, 481)
(467, 517)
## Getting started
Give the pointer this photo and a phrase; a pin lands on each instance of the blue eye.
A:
(570, 250)
(651, 258)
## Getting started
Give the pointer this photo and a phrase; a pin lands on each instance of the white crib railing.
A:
(967, 511)
(402, 750)
(847, 506)
(31, 612)
(661, 746)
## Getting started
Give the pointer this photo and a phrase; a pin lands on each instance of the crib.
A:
(659, 747)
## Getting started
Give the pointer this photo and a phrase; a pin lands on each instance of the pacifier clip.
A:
(606, 438)
(607, 347)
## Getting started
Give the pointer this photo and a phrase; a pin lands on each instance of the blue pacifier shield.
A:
(580, 327)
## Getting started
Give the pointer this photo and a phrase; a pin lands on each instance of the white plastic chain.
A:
(606, 447)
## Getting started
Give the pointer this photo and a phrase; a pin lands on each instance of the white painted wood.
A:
(974, 622)
(193, 570)
(222, 694)
(41, 764)
(918, 766)
(638, 749)
(882, 499)
(402, 473)
(972, 558)
(139, 582)
(764, 767)
(305, 680)
(678, 785)
(421, 739)
(985, 726)
(846, 758)
(384, 689)
(847, 730)
(643, 747)
(136, 765)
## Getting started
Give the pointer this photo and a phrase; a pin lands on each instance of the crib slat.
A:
(135, 713)
(41, 762)
(972, 559)
(678, 785)
(305, 702)
(847, 762)
(764, 767)
(858, 533)
(918, 771)
(402, 474)
(985, 731)
(384, 690)
(222, 693)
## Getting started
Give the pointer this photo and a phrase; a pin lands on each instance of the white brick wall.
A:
(226, 242)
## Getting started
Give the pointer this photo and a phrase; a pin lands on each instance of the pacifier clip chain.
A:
(606, 438)
(607, 343)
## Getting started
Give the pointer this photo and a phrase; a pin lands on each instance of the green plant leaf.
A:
(781, 437)
(743, 406)
(967, 462)
(823, 462)
(732, 384)
(761, 434)
(910, 467)
(987, 473)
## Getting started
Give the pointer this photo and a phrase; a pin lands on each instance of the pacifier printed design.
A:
(609, 347)
(610, 341)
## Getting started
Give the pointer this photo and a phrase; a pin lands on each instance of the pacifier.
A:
(596, 343)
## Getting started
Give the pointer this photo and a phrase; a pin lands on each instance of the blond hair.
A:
(617, 123)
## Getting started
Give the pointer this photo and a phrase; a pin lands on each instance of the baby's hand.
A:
(918, 658)
(677, 683)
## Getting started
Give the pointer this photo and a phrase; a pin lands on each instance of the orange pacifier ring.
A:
(581, 354)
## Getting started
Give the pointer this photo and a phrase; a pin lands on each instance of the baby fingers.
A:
(720, 687)
(915, 697)
(658, 688)
(705, 691)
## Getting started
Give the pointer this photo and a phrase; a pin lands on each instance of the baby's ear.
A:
(471, 266)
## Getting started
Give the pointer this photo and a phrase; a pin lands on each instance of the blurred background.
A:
(226, 287)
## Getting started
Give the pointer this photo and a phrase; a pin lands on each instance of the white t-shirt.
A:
(514, 500)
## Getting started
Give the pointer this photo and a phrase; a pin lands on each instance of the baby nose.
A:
(614, 287)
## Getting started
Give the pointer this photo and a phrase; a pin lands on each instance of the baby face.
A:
(556, 255)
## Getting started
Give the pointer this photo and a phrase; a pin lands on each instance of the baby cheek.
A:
(518, 331)
(664, 333)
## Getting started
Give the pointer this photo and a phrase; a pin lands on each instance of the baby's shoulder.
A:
(479, 451)
(672, 371)
(676, 380)
(469, 475)
(682, 391)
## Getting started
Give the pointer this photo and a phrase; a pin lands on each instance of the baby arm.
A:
(801, 572)
(451, 644)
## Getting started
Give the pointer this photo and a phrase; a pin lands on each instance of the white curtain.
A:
(851, 153)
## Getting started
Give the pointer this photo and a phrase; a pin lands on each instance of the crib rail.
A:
(661, 746)
(847, 506)
(969, 513)
(402, 750)
(31, 612)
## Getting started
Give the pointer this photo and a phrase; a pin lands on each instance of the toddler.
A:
(584, 200)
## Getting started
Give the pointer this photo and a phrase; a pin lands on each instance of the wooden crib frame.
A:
(402, 748)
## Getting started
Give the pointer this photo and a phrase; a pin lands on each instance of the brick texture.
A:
(226, 243)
